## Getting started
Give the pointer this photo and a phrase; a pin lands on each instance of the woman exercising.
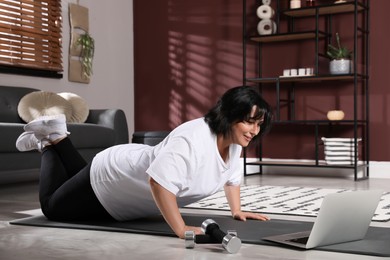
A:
(130, 181)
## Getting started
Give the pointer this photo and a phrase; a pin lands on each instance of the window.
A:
(30, 37)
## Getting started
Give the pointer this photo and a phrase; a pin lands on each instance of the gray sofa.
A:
(103, 128)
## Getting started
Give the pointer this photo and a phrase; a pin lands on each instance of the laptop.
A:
(343, 217)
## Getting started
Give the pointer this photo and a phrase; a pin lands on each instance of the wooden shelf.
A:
(324, 10)
(318, 122)
(319, 78)
(282, 37)
(291, 163)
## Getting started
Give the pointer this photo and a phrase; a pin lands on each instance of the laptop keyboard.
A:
(300, 240)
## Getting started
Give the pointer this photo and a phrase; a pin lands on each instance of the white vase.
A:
(341, 66)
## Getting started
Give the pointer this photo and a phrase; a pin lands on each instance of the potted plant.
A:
(87, 53)
(340, 58)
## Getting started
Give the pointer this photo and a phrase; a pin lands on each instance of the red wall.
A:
(187, 53)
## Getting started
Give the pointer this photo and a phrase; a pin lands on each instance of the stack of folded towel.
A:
(340, 151)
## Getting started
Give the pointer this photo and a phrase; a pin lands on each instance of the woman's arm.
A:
(233, 197)
(167, 203)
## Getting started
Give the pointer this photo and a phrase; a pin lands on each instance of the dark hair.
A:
(236, 106)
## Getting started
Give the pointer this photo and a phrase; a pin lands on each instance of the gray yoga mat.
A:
(375, 243)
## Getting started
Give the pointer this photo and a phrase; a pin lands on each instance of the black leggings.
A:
(65, 191)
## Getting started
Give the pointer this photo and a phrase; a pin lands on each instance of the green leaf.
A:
(339, 52)
(87, 44)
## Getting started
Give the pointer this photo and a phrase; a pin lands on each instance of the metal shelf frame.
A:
(361, 33)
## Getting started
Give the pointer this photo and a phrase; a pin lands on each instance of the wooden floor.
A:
(18, 242)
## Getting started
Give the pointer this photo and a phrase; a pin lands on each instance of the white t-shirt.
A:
(187, 163)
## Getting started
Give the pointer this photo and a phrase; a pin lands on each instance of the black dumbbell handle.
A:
(214, 231)
(205, 239)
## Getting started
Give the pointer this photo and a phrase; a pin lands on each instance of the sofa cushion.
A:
(91, 135)
(43, 103)
(9, 99)
(80, 109)
(9, 133)
(19, 161)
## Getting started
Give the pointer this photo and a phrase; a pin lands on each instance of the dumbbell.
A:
(191, 239)
(213, 235)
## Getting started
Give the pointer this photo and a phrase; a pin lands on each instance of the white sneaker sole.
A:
(47, 125)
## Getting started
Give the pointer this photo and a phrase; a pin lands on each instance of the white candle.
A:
(295, 4)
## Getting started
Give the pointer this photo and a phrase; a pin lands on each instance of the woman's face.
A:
(243, 132)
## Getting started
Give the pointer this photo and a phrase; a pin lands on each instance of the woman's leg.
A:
(69, 156)
(67, 195)
(65, 191)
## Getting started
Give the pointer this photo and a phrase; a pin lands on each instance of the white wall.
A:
(112, 84)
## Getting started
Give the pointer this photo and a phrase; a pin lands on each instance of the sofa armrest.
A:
(112, 118)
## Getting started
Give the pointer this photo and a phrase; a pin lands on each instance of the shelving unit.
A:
(288, 37)
(359, 79)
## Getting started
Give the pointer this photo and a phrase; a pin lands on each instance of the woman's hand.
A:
(243, 216)
(167, 203)
(197, 230)
(233, 198)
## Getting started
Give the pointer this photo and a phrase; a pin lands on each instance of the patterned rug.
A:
(298, 201)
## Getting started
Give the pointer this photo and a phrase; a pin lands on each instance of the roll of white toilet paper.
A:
(265, 12)
(266, 2)
(266, 26)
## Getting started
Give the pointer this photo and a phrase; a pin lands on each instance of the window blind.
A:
(30, 34)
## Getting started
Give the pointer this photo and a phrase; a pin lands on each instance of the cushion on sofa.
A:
(91, 135)
(9, 133)
(80, 109)
(9, 99)
(43, 103)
